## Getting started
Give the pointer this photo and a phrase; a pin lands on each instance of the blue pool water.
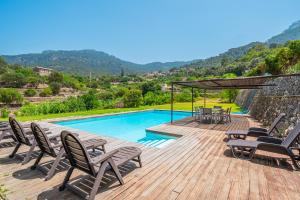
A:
(130, 126)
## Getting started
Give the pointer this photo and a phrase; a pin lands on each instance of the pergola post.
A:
(204, 99)
(172, 101)
(192, 101)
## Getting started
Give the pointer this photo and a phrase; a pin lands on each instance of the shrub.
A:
(4, 112)
(156, 98)
(90, 100)
(229, 95)
(184, 96)
(132, 98)
(46, 92)
(106, 95)
(30, 93)
(55, 88)
(9, 96)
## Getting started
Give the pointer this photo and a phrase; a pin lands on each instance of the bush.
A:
(106, 95)
(90, 100)
(30, 93)
(229, 95)
(4, 112)
(46, 92)
(132, 98)
(9, 96)
(156, 98)
(184, 96)
(55, 88)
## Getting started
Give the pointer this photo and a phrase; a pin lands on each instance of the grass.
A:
(177, 106)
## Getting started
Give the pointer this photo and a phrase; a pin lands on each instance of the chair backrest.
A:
(291, 137)
(77, 153)
(207, 111)
(217, 107)
(42, 140)
(276, 122)
(18, 131)
(229, 110)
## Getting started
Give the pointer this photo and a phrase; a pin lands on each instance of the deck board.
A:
(198, 165)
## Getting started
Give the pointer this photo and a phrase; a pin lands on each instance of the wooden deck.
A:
(197, 165)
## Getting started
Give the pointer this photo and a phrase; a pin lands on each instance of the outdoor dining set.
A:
(214, 115)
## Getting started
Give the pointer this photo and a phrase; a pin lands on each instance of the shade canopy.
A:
(254, 82)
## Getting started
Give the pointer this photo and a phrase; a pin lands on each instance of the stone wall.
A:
(268, 102)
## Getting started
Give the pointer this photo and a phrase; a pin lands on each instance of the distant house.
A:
(42, 71)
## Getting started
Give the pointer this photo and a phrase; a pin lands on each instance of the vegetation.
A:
(186, 106)
(8, 96)
(29, 93)
(3, 192)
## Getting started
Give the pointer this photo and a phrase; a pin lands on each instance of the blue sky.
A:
(141, 30)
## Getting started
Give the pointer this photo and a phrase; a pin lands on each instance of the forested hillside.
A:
(83, 62)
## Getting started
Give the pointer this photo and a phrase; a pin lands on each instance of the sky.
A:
(141, 31)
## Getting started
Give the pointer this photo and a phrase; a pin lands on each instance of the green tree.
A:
(90, 100)
(133, 98)
(55, 88)
(149, 87)
(13, 79)
(56, 77)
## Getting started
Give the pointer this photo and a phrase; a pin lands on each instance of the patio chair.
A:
(245, 149)
(207, 114)
(198, 112)
(80, 159)
(227, 115)
(54, 148)
(256, 131)
(22, 137)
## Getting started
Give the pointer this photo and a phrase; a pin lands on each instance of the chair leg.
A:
(140, 161)
(116, 170)
(15, 150)
(29, 153)
(33, 167)
(67, 178)
(98, 180)
(54, 166)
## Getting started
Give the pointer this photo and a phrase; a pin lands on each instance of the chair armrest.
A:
(267, 139)
(104, 157)
(258, 129)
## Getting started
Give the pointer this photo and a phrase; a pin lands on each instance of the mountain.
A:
(230, 55)
(292, 33)
(85, 61)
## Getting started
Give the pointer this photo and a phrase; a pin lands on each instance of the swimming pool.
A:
(129, 126)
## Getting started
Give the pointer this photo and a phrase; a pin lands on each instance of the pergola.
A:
(254, 82)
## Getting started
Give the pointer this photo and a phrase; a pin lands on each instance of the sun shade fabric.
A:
(254, 82)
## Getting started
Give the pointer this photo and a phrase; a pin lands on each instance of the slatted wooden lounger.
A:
(244, 149)
(23, 137)
(255, 131)
(80, 159)
(7, 132)
(55, 148)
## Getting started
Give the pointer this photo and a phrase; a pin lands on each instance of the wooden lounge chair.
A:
(80, 159)
(54, 148)
(256, 131)
(22, 137)
(245, 149)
